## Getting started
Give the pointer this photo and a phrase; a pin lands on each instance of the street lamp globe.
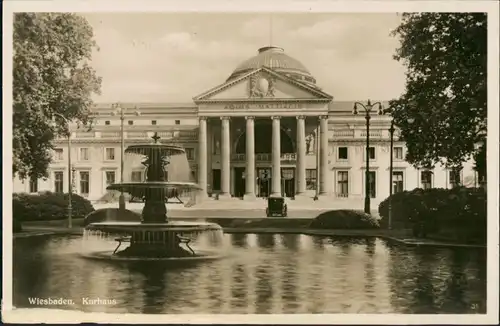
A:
(355, 109)
(381, 110)
(410, 120)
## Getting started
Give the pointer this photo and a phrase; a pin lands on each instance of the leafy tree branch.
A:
(445, 55)
(51, 54)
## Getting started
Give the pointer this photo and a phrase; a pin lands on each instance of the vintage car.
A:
(276, 206)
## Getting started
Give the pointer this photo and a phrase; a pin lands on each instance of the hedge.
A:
(46, 206)
(454, 214)
(344, 219)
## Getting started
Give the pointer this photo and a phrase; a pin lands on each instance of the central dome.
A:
(276, 59)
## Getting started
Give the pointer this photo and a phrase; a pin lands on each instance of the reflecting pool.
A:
(261, 274)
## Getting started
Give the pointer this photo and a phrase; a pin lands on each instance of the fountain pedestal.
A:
(155, 244)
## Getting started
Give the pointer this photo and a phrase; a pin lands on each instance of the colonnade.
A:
(250, 178)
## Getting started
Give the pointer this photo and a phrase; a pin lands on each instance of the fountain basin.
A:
(154, 241)
(155, 149)
(175, 226)
(142, 186)
(201, 256)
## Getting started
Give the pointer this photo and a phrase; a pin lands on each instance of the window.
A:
(371, 151)
(107, 122)
(398, 153)
(153, 122)
(397, 182)
(110, 154)
(426, 179)
(193, 176)
(177, 122)
(343, 155)
(84, 182)
(311, 179)
(130, 122)
(58, 182)
(58, 154)
(455, 178)
(110, 177)
(372, 184)
(136, 176)
(33, 185)
(84, 154)
(189, 153)
(343, 183)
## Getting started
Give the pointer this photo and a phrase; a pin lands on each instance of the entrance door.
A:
(239, 182)
(264, 182)
(288, 182)
(216, 179)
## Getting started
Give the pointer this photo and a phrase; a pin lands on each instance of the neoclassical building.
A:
(267, 130)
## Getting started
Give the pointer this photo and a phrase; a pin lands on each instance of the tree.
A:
(445, 55)
(51, 75)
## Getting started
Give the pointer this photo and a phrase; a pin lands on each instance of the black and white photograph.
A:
(250, 162)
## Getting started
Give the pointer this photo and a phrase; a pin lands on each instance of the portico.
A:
(253, 129)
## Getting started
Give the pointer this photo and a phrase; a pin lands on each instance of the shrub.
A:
(454, 214)
(16, 226)
(282, 223)
(344, 219)
(47, 206)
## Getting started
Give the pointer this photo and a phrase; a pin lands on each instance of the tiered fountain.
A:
(154, 237)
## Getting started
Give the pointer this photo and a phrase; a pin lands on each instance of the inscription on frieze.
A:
(262, 106)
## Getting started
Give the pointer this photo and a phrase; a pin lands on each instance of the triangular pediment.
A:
(263, 84)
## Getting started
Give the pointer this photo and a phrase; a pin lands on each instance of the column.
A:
(276, 158)
(203, 156)
(210, 150)
(225, 158)
(250, 157)
(300, 171)
(323, 152)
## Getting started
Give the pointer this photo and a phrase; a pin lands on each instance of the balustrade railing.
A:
(88, 134)
(374, 133)
(343, 133)
(264, 157)
(110, 134)
(134, 134)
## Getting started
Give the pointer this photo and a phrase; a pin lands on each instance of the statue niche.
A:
(310, 143)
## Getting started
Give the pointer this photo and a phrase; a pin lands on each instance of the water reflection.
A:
(154, 286)
(239, 240)
(265, 240)
(281, 273)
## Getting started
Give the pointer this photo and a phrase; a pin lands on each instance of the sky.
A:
(173, 57)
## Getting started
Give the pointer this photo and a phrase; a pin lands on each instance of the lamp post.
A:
(368, 108)
(317, 145)
(121, 111)
(391, 162)
(243, 179)
(391, 168)
(73, 180)
(70, 179)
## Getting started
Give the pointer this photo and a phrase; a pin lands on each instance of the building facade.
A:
(267, 130)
